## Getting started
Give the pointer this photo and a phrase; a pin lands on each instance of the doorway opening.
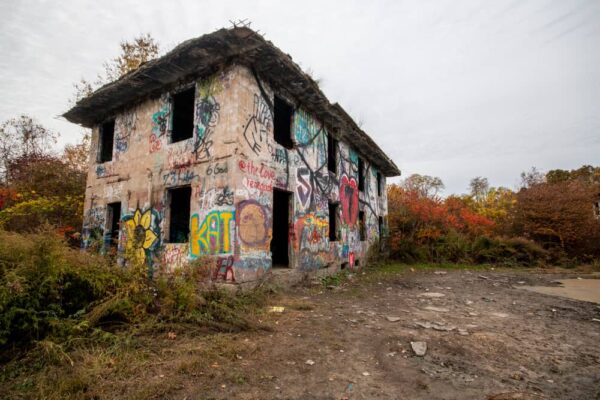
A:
(114, 220)
(179, 226)
(281, 222)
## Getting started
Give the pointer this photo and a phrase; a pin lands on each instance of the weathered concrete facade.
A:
(234, 168)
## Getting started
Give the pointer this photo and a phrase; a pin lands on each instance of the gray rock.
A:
(393, 319)
(446, 328)
(436, 326)
(420, 348)
(432, 294)
(436, 309)
(426, 325)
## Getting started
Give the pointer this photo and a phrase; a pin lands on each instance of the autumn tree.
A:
(560, 215)
(134, 53)
(77, 155)
(141, 49)
(587, 174)
(38, 186)
(425, 227)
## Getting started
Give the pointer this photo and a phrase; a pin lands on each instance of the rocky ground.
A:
(485, 339)
(394, 332)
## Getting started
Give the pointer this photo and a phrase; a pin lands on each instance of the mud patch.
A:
(576, 289)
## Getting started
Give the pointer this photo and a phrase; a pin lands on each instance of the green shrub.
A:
(49, 290)
(455, 247)
(451, 248)
(43, 281)
(508, 251)
(410, 252)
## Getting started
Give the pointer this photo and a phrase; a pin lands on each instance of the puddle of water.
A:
(576, 289)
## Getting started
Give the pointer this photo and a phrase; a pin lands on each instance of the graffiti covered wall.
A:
(231, 164)
(303, 171)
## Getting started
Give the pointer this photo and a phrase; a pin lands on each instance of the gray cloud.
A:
(452, 89)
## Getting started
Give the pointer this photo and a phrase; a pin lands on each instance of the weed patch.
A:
(335, 279)
(66, 315)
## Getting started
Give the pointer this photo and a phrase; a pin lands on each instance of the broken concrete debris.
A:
(441, 326)
(432, 295)
(436, 309)
(419, 348)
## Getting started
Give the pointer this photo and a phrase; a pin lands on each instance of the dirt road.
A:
(485, 338)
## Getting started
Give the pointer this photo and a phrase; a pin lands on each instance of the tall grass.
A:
(51, 293)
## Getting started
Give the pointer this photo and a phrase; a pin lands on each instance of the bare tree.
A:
(424, 185)
(22, 137)
(531, 178)
(479, 188)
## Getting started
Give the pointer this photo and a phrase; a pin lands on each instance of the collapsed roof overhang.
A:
(208, 54)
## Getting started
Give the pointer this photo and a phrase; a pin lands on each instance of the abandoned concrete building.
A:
(225, 148)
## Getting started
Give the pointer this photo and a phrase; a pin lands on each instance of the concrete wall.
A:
(232, 164)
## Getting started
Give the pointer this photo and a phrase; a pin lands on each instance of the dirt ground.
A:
(486, 339)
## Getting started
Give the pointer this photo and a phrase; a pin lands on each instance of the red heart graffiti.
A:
(349, 200)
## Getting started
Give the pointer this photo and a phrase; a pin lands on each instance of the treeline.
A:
(40, 186)
(553, 218)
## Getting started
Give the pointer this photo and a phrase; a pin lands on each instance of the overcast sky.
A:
(450, 88)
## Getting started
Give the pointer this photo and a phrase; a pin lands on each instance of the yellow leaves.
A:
(496, 204)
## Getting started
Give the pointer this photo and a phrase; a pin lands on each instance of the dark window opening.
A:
(344, 265)
(331, 153)
(333, 212)
(281, 220)
(179, 226)
(107, 138)
(361, 175)
(183, 115)
(356, 263)
(379, 184)
(282, 123)
(380, 227)
(362, 225)
(114, 223)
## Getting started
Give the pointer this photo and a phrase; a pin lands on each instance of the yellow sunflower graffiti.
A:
(139, 235)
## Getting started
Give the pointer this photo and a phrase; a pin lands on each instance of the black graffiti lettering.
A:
(304, 188)
(225, 197)
(255, 135)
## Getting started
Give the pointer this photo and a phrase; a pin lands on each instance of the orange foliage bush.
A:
(560, 216)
